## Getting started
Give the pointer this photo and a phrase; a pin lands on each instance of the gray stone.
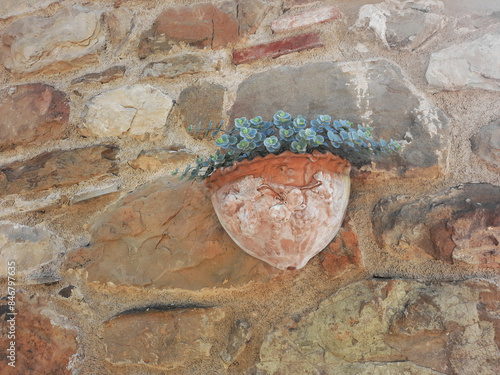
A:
(372, 92)
(486, 143)
(55, 44)
(399, 25)
(473, 64)
(187, 63)
(392, 327)
(31, 248)
(199, 103)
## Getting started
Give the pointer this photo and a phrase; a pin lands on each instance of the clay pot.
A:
(282, 209)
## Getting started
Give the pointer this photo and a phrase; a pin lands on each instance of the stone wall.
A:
(122, 269)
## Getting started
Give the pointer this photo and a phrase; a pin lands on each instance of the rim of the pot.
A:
(239, 169)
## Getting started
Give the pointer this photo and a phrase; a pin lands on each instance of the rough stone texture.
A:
(31, 248)
(174, 66)
(44, 342)
(460, 225)
(119, 25)
(343, 253)
(289, 4)
(166, 235)
(433, 328)
(133, 110)
(372, 92)
(161, 339)
(153, 160)
(37, 43)
(305, 19)
(402, 25)
(473, 64)
(486, 143)
(282, 209)
(106, 76)
(279, 48)
(31, 115)
(16, 7)
(57, 169)
(203, 25)
(239, 335)
(200, 25)
(202, 102)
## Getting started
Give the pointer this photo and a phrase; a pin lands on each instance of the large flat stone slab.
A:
(373, 92)
(166, 235)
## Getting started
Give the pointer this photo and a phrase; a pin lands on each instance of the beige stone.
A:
(64, 40)
(134, 110)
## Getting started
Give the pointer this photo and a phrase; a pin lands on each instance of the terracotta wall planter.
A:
(282, 209)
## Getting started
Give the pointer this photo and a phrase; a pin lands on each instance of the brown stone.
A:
(57, 169)
(32, 114)
(42, 344)
(275, 49)
(343, 252)
(460, 225)
(395, 327)
(153, 160)
(199, 103)
(106, 76)
(119, 23)
(166, 235)
(200, 25)
(166, 338)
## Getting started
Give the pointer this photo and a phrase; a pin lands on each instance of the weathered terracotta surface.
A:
(282, 209)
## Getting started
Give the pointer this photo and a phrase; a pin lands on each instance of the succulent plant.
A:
(256, 137)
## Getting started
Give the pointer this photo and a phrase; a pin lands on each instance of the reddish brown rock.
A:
(200, 25)
(56, 169)
(461, 225)
(305, 19)
(32, 114)
(166, 235)
(275, 49)
(343, 252)
(153, 160)
(166, 338)
(42, 344)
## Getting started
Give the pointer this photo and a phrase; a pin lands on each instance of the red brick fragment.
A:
(274, 49)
